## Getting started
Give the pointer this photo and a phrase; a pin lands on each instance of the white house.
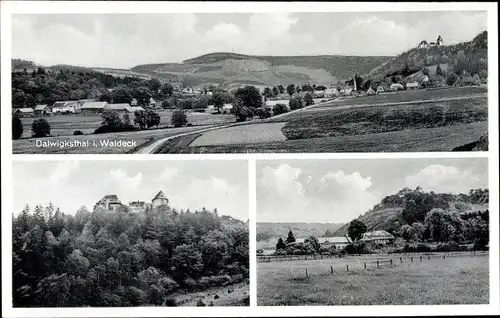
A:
(378, 237)
(66, 107)
(123, 107)
(42, 110)
(338, 241)
(380, 89)
(24, 112)
(331, 92)
(370, 92)
(396, 87)
(412, 86)
(93, 107)
(226, 108)
(152, 102)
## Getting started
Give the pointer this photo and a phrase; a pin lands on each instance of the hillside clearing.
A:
(454, 280)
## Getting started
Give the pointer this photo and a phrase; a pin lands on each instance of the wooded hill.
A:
(410, 206)
(268, 230)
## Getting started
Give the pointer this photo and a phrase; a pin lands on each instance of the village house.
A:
(24, 112)
(331, 92)
(370, 92)
(41, 110)
(226, 108)
(133, 102)
(412, 86)
(319, 93)
(133, 109)
(378, 237)
(380, 89)
(66, 107)
(346, 91)
(152, 103)
(396, 87)
(339, 242)
(93, 108)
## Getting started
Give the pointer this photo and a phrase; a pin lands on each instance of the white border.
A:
(30, 7)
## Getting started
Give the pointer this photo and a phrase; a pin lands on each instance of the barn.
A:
(93, 108)
(66, 107)
(41, 110)
(396, 87)
(121, 108)
(24, 112)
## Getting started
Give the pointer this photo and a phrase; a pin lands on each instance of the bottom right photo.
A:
(372, 232)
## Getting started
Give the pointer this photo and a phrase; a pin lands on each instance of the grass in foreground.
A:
(374, 120)
(455, 280)
(233, 295)
(417, 140)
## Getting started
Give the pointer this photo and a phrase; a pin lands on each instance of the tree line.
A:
(118, 258)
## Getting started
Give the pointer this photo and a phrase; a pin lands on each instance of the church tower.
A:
(439, 40)
(159, 199)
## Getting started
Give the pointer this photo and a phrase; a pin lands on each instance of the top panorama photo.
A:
(186, 83)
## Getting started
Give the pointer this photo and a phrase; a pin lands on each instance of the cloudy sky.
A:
(192, 184)
(341, 190)
(126, 40)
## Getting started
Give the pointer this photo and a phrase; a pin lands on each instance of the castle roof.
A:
(160, 195)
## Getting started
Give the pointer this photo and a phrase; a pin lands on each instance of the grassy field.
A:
(372, 120)
(455, 280)
(431, 139)
(65, 125)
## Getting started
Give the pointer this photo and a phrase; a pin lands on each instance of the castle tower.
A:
(439, 40)
(159, 199)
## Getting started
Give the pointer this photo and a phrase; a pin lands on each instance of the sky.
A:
(126, 40)
(337, 191)
(192, 184)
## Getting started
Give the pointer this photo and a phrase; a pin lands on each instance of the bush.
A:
(296, 102)
(221, 280)
(170, 302)
(146, 118)
(356, 248)
(425, 71)
(480, 245)
(77, 133)
(279, 109)
(111, 118)
(263, 113)
(451, 78)
(451, 246)
(40, 128)
(17, 128)
(242, 113)
(179, 118)
(308, 99)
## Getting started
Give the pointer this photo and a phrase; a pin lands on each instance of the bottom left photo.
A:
(119, 233)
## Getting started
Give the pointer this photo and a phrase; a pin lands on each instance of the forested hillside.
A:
(440, 216)
(105, 258)
(268, 230)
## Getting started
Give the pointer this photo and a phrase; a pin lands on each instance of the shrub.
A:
(308, 99)
(167, 283)
(179, 118)
(77, 133)
(296, 102)
(279, 109)
(425, 71)
(146, 118)
(451, 246)
(480, 245)
(483, 74)
(242, 113)
(356, 248)
(170, 302)
(17, 128)
(263, 113)
(451, 78)
(40, 128)
(111, 118)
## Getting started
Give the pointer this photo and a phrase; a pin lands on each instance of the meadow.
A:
(460, 278)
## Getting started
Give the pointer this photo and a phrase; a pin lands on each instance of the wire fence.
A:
(370, 263)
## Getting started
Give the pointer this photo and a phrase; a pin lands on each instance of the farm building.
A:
(338, 241)
(66, 107)
(346, 92)
(378, 237)
(93, 107)
(331, 92)
(122, 108)
(133, 102)
(412, 86)
(319, 93)
(83, 101)
(24, 112)
(370, 92)
(133, 109)
(380, 89)
(42, 110)
(396, 87)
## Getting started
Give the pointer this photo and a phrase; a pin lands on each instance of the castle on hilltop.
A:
(111, 202)
(424, 44)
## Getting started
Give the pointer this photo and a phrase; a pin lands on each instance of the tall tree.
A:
(356, 230)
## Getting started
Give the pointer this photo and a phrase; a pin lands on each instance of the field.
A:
(65, 125)
(457, 279)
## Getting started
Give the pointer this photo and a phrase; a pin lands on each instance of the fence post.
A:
(428, 257)
(306, 272)
(378, 264)
(391, 261)
(420, 257)
(365, 265)
(401, 259)
(331, 269)
(347, 266)
(444, 256)
(412, 259)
